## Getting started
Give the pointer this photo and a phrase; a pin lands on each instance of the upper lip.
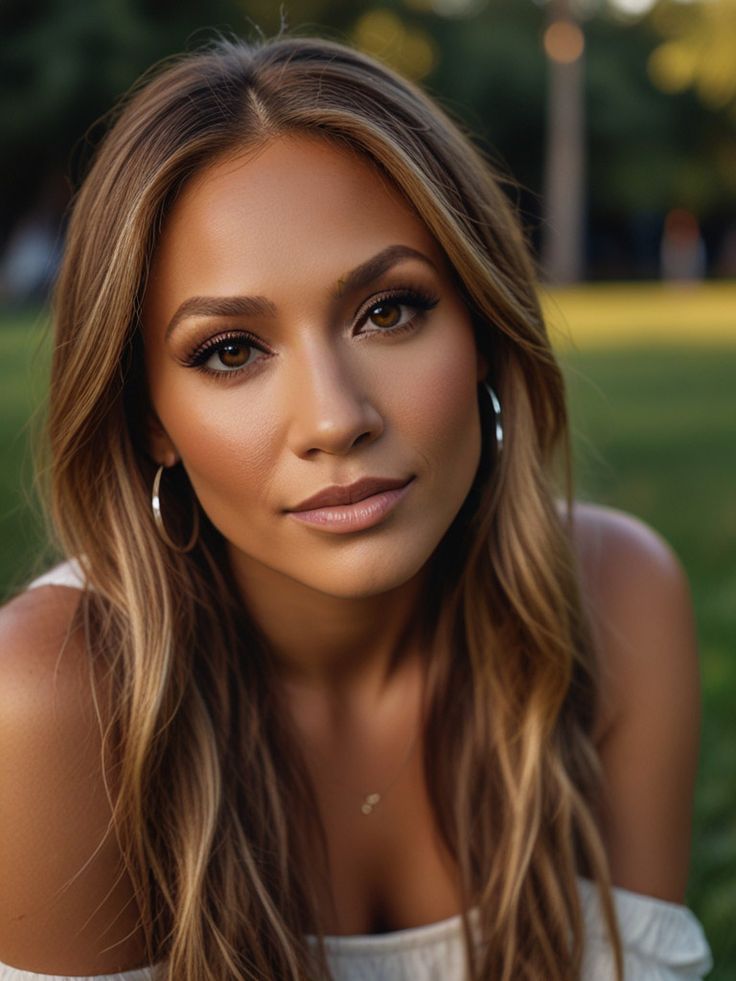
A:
(350, 493)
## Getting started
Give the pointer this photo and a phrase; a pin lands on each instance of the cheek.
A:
(229, 451)
(439, 398)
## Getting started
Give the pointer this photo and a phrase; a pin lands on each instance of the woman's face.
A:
(302, 330)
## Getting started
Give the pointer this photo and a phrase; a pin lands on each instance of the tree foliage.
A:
(64, 62)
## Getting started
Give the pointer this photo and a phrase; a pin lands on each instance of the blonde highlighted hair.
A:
(208, 778)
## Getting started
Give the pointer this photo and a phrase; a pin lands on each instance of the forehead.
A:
(295, 209)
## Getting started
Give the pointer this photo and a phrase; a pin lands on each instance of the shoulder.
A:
(41, 649)
(638, 598)
(64, 896)
(616, 549)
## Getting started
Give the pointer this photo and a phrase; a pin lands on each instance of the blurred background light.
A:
(409, 50)
(633, 8)
(672, 67)
(564, 41)
(458, 8)
(447, 8)
(698, 51)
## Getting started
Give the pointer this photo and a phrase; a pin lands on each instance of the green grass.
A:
(23, 373)
(654, 433)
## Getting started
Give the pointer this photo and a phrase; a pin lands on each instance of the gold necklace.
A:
(372, 800)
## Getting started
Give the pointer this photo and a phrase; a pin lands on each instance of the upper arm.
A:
(65, 900)
(642, 613)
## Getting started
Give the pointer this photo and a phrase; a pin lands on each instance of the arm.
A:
(66, 905)
(642, 613)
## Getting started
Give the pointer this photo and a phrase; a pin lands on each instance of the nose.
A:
(331, 411)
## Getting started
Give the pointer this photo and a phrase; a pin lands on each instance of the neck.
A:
(329, 644)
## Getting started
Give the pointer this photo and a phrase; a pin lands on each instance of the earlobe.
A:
(481, 367)
(158, 442)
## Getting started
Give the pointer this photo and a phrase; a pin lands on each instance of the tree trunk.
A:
(563, 241)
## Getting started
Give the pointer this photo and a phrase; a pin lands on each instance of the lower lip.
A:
(345, 518)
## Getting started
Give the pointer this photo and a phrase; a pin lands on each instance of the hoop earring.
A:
(159, 521)
(498, 424)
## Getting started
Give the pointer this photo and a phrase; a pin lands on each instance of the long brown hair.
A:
(207, 777)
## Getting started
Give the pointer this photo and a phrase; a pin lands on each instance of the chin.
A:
(370, 576)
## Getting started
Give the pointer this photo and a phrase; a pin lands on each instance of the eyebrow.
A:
(371, 269)
(239, 306)
(221, 306)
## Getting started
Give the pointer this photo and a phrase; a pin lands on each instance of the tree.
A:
(564, 186)
(698, 51)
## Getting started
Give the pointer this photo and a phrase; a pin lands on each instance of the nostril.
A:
(335, 426)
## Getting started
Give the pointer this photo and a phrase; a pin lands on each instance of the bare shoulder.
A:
(638, 597)
(617, 549)
(42, 684)
(639, 600)
(64, 896)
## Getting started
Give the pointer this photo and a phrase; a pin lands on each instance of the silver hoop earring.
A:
(496, 417)
(159, 521)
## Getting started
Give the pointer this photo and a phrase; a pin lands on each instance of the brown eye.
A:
(233, 355)
(386, 314)
(227, 355)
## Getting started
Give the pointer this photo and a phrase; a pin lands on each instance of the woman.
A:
(334, 661)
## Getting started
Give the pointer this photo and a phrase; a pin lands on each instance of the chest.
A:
(389, 868)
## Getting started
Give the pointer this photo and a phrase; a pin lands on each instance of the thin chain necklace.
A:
(372, 800)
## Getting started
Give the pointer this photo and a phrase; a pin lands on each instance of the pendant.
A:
(370, 802)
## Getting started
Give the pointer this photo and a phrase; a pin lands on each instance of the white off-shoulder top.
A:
(662, 941)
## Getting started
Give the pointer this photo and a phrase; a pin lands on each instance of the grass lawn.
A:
(23, 362)
(655, 434)
(654, 427)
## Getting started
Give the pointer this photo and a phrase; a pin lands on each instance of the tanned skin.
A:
(329, 397)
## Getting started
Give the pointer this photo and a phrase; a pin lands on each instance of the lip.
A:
(339, 494)
(363, 513)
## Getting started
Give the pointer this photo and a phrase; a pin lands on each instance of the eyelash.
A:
(418, 299)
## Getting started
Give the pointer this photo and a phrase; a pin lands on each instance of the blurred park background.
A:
(616, 120)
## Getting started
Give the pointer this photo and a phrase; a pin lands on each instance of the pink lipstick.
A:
(366, 510)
